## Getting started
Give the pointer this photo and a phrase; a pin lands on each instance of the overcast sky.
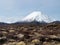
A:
(14, 10)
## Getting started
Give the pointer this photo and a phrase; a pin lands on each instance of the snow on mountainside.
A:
(37, 16)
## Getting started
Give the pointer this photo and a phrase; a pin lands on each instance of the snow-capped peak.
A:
(37, 16)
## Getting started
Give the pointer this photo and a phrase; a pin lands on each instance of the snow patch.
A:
(38, 16)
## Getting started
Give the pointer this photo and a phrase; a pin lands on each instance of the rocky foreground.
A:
(15, 34)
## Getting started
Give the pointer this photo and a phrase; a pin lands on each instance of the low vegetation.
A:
(26, 34)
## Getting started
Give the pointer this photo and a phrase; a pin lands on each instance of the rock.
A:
(4, 33)
(46, 43)
(3, 29)
(11, 31)
(53, 36)
(3, 40)
(20, 35)
(21, 43)
(10, 43)
(30, 44)
(35, 41)
(11, 40)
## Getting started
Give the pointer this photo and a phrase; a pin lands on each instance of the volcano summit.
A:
(37, 16)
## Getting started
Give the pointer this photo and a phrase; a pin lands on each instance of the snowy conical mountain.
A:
(37, 16)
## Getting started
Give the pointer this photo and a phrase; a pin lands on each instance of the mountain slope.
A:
(37, 16)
